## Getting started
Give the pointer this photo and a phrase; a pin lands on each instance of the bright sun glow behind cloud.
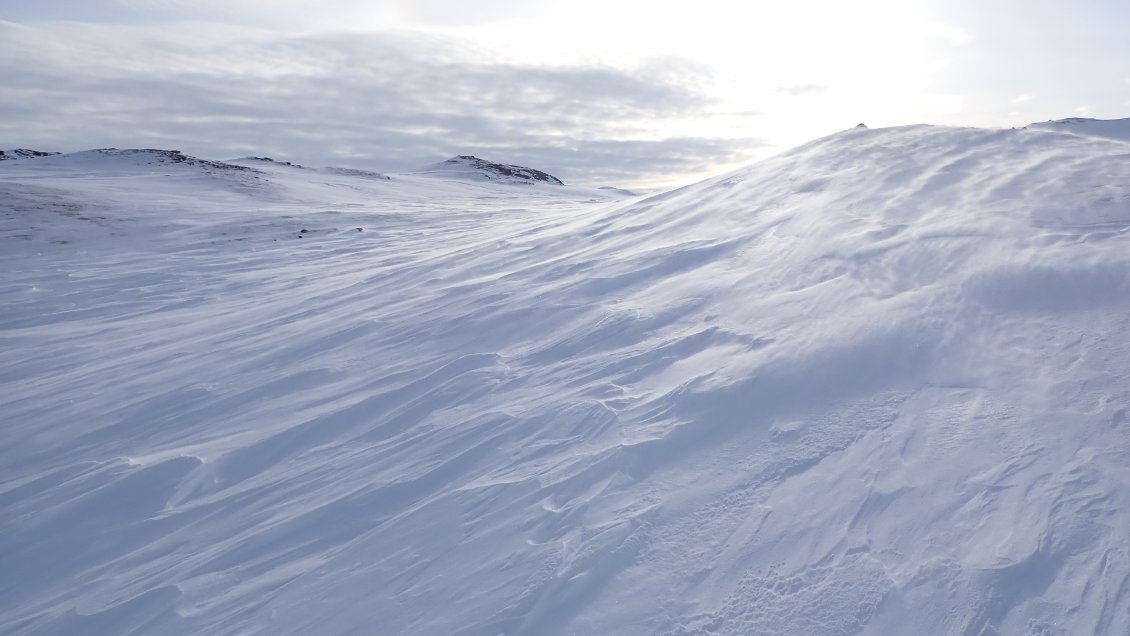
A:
(807, 64)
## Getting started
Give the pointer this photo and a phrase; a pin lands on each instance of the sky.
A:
(597, 92)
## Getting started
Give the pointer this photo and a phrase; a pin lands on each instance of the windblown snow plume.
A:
(875, 385)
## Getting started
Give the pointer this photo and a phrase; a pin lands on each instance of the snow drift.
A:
(874, 385)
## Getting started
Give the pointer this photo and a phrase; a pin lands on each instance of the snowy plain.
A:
(877, 384)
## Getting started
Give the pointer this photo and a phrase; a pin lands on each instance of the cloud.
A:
(291, 14)
(387, 101)
(466, 12)
(954, 35)
(802, 89)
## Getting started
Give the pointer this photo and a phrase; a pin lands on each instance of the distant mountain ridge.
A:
(23, 153)
(134, 157)
(461, 166)
(350, 172)
(158, 156)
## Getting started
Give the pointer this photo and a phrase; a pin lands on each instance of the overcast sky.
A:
(600, 92)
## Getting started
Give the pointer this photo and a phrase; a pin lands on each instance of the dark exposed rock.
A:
(354, 172)
(23, 153)
(492, 170)
(269, 160)
(1070, 120)
(158, 156)
(348, 172)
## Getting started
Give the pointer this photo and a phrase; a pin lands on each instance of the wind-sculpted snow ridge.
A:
(874, 385)
(1117, 129)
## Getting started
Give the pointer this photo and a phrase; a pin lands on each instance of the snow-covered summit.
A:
(130, 159)
(469, 166)
(1118, 129)
(262, 162)
(24, 153)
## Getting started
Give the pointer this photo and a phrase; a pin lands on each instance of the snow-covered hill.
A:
(24, 153)
(471, 167)
(1117, 129)
(352, 172)
(875, 385)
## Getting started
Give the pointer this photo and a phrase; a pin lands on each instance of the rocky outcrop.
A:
(472, 165)
(157, 156)
(23, 153)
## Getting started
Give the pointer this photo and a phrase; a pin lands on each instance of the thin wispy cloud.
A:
(389, 101)
(803, 89)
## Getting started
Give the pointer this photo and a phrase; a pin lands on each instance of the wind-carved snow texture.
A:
(874, 385)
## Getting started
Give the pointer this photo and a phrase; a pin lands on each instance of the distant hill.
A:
(23, 153)
(469, 166)
(1117, 129)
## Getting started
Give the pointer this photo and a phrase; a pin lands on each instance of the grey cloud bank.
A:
(388, 101)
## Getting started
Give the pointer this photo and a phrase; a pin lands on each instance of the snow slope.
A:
(1117, 129)
(874, 385)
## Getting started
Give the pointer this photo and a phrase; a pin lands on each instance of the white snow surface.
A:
(1118, 129)
(877, 385)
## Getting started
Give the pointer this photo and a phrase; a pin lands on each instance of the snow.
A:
(1118, 129)
(874, 385)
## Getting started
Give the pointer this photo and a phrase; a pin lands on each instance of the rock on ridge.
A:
(158, 156)
(499, 171)
(269, 160)
(348, 172)
(23, 153)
